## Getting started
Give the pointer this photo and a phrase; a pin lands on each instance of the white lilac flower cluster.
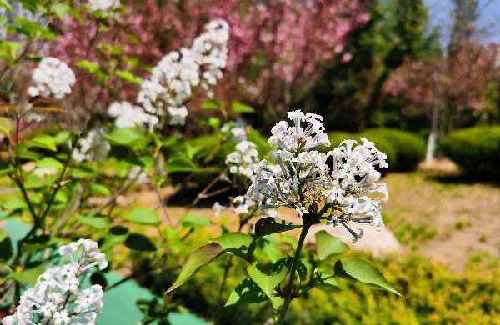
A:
(340, 186)
(58, 297)
(127, 115)
(52, 78)
(91, 148)
(237, 130)
(244, 159)
(179, 72)
(103, 5)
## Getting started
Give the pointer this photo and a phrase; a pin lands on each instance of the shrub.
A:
(404, 150)
(409, 149)
(475, 150)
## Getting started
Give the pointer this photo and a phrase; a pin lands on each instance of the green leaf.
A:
(100, 189)
(364, 272)
(239, 107)
(32, 29)
(246, 292)
(5, 126)
(127, 137)
(43, 141)
(13, 203)
(116, 235)
(142, 216)
(210, 105)
(49, 163)
(6, 250)
(139, 242)
(267, 282)
(234, 240)
(9, 51)
(128, 76)
(331, 282)
(6, 5)
(267, 226)
(327, 245)
(193, 220)
(180, 163)
(60, 9)
(29, 276)
(95, 222)
(196, 260)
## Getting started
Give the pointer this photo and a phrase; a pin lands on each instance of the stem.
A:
(293, 268)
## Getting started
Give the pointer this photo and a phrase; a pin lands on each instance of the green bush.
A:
(430, 294)
(404, 150)
(475, 150)
(409, 148)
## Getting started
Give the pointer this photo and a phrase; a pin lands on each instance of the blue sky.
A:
(440, 12)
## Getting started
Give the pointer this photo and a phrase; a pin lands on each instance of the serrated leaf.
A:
(239, 107)
(246, 292)
(267, 282)
(195, 261)
(139, 242)
(328, 245)
(143, 216)
(364, 272)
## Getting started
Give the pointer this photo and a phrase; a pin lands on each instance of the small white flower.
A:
(93, 147)
(58, 296)
(103, 5)
(177, 115)
(218, 208)
(341, 185)
(177, 74)
(244, 159)
(52, 78)
(128, 116)
(306, 133)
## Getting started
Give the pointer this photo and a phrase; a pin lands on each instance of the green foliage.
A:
(475, 150)
(431, 295)
(409, 149)
(404, 150)
(350, 94)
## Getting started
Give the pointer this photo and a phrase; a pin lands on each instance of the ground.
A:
(447, 222)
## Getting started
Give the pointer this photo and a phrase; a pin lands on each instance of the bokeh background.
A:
(420, 78)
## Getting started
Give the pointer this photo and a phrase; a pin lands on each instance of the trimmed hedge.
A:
(475, 150)
(404, 150)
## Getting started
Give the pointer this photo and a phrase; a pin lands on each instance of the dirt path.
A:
(449, 222)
